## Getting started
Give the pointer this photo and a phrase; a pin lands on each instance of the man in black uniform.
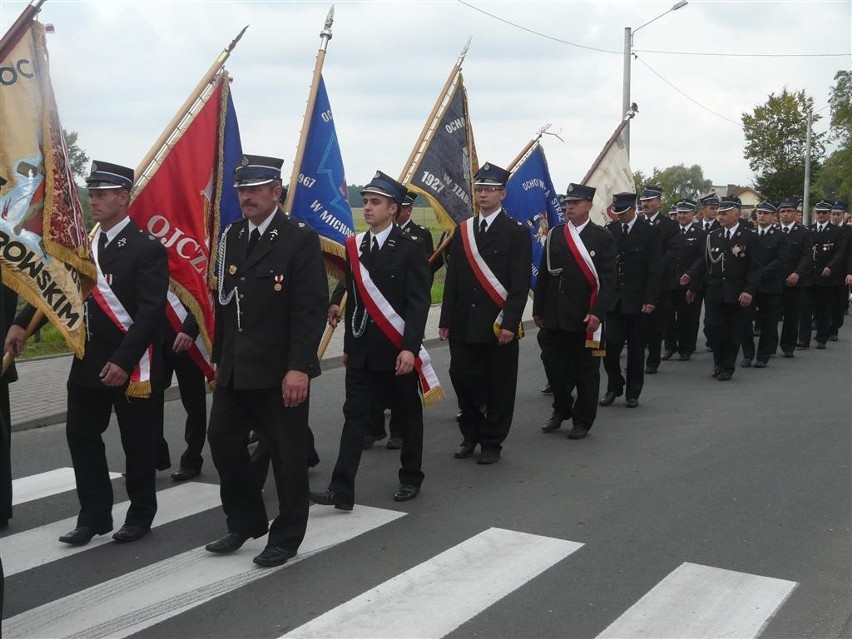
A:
(684, 254)
(709, 206)
(637, 282)
(730, 272)
(767, 301)
(570, 302)
(841, 291)
(829, 270)
(796, 273)
(488, 281)
(387, 281)
(270, 314)
(666, 229)
(121, 369)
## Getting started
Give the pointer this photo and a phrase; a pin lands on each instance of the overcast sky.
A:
(120, 71)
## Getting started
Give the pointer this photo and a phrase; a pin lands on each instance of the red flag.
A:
(174, 205)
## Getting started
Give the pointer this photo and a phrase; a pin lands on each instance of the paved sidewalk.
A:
(38, 398)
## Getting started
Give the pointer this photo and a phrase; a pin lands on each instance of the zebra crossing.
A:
(430, 600)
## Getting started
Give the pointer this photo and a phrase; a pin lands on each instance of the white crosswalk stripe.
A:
(53, 482)
(700, 601)
(39, 546)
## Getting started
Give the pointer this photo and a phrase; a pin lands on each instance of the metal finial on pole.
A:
(325, 34)
(234, 42)
(464, 52)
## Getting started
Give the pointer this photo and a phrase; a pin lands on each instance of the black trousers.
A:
(766, 311)
(724, 323)
(260, 457)
(569, 365)
(682, 322)
(367, 393)
(656, 327)
(627, 329)
(791, 307)
(89, 411)
(806, 314)
(193, 396)
(233, 414)
(485, 375)
(824, 304)
(5, 455)
(839, 308)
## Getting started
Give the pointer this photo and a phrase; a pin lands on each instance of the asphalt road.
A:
(750, 476)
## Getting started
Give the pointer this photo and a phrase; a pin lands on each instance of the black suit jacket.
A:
(683, 255)
(421, 232)
(714, 224)
(799, 256)
(729, 267)
(401, 272)
(562, 298)
(829, 251)
(666, 229)
(467, 310)
(773, 251)
(637, 266)
(138, 269)
(283, 293)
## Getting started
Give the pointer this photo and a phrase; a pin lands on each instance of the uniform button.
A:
(239, 330)
(242, 297)
(242, 279)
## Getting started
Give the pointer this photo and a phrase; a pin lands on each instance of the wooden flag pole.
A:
(325, 37)
(185, 109)
(430, 121)
(13, 35)
(329, 329)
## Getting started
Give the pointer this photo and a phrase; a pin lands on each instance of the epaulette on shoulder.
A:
(412, 237)
(297, 224)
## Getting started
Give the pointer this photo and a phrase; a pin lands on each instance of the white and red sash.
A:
(587, 266)
(176, 313)
(140, 378)
(389, 321)
(483, 273)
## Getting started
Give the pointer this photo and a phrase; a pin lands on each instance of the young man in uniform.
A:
(795, 271)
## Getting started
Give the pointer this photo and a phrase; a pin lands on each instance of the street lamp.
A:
(628, 52)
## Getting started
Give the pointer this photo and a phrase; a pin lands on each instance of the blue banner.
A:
(321, 198)
(532, 200)
(232, 152)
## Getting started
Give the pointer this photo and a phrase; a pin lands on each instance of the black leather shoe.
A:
(164, 464)
(609, 398)
(406, 492)
(716, 371)
(368, 442)
(683, 357)
(788, 354)
(724, 376)
(802, 345)
(185, 473)
(832, 338)
(231, 542)
(313, 460)
(760, 363)
(554, 423)
(130, 532)
(667, 355)
(547, 390)
(252, 436)
(578, 432)
(465, 450)
(650, 370)
(394, 443)
(330, 498)
(746, 363)
(632, 402)
(82, 535)
(820, 346)
(487, 457)
(273, 556)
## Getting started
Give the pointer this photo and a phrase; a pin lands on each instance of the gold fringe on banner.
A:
(434, 396)
(141, 390)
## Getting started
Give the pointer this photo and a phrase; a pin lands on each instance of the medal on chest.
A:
(279, 283)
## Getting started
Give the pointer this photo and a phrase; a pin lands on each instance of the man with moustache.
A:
(574, 289)
(796, 272)
(121, 368)
(270, 314)
(637, 281)
(666, 229)
(488, 281)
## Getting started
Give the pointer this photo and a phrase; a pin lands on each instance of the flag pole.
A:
(627, 117)
(528, 148)
(325, 37)
(13, 35)
(430, 121)
(186, 108)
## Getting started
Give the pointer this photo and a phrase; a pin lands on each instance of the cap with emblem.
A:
(822, 205)
(109, 176)
(254, 170)
(491, 175)
(383, 184)
(711, 199)
(651, 191)
(839, 206)
(621, 202)
(685, 206)
(579, 192)
(765, 207)
(788, 203)
(730, 202)
(409, 198)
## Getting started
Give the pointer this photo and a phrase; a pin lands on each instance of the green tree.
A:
(77, 157)
(776, 135)
(840, 100)
(835, 178)
(678, 182)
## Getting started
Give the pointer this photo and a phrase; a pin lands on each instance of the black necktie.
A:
(102, 242)
(483, 226)
(254, 237)
(762, 232)
(683, 231)
(625, 229)
(374, 250)
(786, 229)
(728, 235)
(707, 226)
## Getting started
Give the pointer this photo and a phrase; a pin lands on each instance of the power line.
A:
(619, 52)
(727, 119)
